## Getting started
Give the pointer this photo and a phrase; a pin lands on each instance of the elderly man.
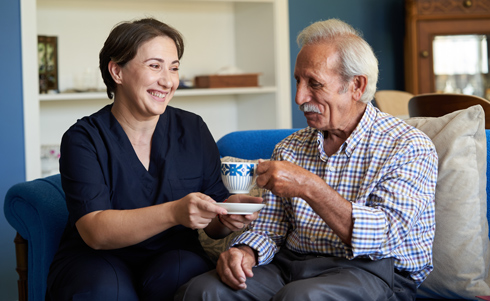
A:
(350, 212)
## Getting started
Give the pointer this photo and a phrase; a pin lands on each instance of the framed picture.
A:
(47, 50)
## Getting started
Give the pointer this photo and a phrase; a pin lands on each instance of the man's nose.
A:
(302, 94)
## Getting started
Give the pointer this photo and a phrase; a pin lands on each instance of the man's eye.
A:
(315, 84)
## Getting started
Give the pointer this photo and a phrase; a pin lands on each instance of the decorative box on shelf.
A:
(227, 81)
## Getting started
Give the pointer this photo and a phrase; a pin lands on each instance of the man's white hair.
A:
(356, 57)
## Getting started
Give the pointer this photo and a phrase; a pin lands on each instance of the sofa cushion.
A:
(461, 244)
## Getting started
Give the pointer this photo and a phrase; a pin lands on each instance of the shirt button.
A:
(331, 168)
(312, 239)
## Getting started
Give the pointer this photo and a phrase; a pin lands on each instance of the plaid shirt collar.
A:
(353, 140)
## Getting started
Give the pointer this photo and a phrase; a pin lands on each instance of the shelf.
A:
(170, 1)
(178, 93)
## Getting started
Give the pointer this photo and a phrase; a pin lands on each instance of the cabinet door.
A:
(428, 30)
(427, 20)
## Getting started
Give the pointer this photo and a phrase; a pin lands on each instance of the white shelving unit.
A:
(252, 35)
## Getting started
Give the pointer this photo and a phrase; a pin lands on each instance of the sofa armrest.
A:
(37, 210)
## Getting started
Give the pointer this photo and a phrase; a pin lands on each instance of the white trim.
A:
(30, 89)
(283, 70)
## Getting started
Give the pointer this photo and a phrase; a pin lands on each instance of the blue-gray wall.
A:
(12, 166)
(380, 21)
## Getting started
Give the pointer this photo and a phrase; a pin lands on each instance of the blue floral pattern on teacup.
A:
(238, 177)
(237, 169)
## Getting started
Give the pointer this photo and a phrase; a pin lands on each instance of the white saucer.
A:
(241, 208)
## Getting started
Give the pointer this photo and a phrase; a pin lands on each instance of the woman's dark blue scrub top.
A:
(100, 170)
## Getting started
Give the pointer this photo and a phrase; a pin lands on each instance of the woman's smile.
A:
(159, 95)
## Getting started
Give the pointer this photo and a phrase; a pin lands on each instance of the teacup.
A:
(238, 177)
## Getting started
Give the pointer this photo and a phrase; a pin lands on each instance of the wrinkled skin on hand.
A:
(286, 179)
(283, 178)
(235, 266)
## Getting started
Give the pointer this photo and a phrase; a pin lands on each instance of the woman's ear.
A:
(115, 71)
(360, 84)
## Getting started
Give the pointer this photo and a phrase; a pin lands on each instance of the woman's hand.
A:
(237, 222)
(196, 210)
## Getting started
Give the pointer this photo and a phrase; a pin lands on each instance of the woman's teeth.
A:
(157, 94)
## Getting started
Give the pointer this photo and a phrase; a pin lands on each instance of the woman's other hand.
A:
(196, 210)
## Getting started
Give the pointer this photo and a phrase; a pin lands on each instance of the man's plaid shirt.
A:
(386, 169)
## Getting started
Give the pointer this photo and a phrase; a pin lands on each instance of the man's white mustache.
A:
(308, 107)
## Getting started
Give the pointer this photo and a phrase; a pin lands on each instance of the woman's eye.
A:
(155, 66)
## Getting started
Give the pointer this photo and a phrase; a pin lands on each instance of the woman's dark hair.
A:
(124, 40)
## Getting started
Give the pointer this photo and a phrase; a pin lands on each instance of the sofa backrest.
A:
(253, 144)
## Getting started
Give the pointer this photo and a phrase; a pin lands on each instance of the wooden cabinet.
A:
(428, 19)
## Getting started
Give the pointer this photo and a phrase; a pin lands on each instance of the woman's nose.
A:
(165, 79)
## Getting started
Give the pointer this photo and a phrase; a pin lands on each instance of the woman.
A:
(139, 178)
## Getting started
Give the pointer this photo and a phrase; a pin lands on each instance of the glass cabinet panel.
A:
(461, 64)
(446, 46)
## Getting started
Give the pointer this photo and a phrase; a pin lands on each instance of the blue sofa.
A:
(37, 210)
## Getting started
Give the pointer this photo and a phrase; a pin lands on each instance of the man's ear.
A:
(115, 71)
(359, 86)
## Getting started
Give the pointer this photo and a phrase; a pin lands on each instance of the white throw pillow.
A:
(461, 245)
